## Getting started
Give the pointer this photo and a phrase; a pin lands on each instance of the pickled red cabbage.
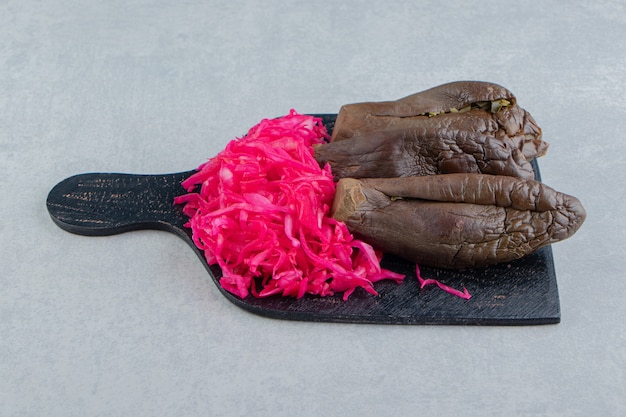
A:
(260, 210)
(431, 281)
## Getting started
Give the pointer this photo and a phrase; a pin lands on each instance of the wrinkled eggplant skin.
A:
(457, 220)
(437, 145)
(442, 98)
(398, 138)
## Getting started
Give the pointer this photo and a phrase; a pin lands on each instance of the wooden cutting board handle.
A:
(99, 204)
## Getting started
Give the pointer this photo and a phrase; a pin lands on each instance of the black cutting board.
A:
(523, 292)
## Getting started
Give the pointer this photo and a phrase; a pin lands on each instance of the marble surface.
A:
(130, 324)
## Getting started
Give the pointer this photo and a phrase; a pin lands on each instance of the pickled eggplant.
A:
(456, 220)
(464, 126)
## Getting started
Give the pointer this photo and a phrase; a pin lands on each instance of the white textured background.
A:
(130, 325)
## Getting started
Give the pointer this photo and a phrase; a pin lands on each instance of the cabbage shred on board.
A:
(261, 212)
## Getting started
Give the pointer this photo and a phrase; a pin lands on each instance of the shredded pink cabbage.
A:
(431, 281)
(262, 215)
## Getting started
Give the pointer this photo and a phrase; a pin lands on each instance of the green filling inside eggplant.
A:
(490, 106)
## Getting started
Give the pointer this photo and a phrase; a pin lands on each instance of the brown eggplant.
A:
(464, 126)
(456, 220)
